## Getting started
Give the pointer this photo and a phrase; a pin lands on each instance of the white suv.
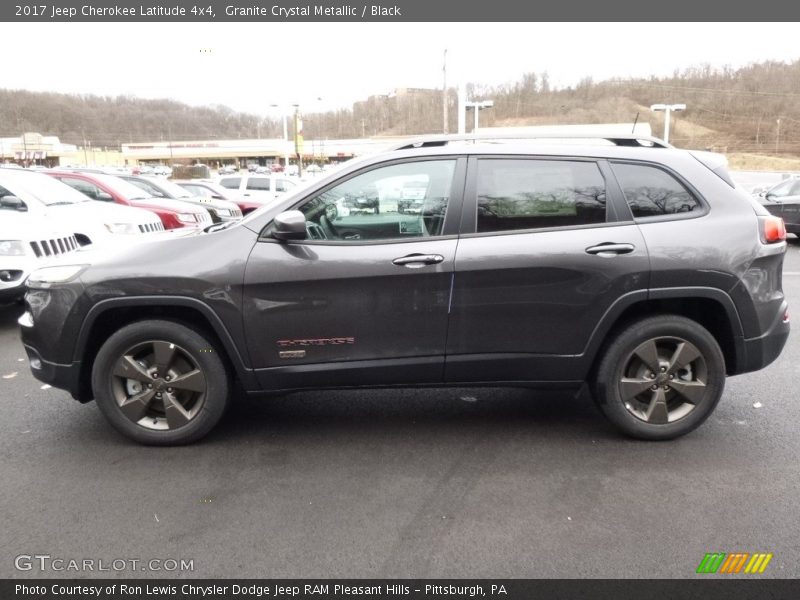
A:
(25, 245)
(263, 188)
(39, 196)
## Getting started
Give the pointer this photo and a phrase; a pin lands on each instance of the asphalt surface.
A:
(409, 483)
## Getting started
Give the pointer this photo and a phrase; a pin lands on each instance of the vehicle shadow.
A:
(501, 411)
(9, 315)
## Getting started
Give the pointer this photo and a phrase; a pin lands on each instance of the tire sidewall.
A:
(217, 390)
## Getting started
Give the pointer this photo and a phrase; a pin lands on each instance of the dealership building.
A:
(34, 148)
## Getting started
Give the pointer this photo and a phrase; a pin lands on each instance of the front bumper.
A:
(64, 377)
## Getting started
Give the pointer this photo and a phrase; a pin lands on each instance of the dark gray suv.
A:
(621, 262)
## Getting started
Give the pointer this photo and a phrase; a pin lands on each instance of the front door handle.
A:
(415, 261)
(610, 249)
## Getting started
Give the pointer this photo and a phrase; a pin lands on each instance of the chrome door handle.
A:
(610, 249)
(415, 261)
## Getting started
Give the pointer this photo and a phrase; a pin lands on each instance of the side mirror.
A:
(104, 197)
(13, 203)
(289, 225)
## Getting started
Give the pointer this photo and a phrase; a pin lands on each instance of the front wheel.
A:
(660, 378)
(160, 383)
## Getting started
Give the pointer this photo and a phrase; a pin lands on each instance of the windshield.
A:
(43, 188)
(173, 189)
(122, 187)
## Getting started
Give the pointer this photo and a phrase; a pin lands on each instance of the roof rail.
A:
(632, 139)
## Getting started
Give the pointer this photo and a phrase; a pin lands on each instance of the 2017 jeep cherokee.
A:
(622, 262)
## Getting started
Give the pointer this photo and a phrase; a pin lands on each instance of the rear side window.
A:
(255, 183)
(518, 194)
(231, 183)
(652, 192)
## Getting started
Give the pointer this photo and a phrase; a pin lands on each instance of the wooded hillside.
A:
(730, 110)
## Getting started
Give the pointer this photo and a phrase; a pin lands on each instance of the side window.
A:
(84, 187)
(518, 194)
(652, 192)
(401, 201)
(231, 183)
(258, 183)
(283, 185)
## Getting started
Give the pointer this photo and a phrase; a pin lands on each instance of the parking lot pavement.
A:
(418, 483)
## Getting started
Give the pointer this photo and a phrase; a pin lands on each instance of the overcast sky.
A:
(249, 66)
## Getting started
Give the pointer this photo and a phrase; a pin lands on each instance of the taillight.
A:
(772, 229)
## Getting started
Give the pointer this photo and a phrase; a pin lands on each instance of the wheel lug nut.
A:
(654, 388)
(166, 378)
(651, 375)
(663, 369)
(169, 390)
(672, 376)
(666, 387)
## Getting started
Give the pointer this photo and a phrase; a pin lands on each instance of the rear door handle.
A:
(415, 261)
(610, 249)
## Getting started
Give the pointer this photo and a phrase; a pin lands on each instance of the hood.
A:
(170, 205)
(26, 226)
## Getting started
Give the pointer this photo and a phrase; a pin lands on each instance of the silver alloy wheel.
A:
(158, 385)
(663, 380)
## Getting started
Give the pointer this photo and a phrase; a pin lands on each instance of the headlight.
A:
(58, 274)
(12, 248)
(224, 212)
(187, 218)
(128, 228)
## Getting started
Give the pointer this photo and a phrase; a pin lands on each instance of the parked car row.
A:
(47, 213)
(783, 200)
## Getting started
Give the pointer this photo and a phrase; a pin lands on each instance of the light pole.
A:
(285, 133)
(444, 92)
(478, 106)
(667, 108)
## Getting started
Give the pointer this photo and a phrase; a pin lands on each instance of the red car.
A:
(173, 213)
(201, 187)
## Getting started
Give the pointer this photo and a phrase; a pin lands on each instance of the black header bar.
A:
(397, 11)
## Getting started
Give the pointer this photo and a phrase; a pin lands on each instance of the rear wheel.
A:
(660, 378)
(160, 383)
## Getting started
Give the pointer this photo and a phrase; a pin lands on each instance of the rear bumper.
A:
(763, 350)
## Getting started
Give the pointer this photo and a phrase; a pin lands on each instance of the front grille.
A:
(150, 227)
(54, 247)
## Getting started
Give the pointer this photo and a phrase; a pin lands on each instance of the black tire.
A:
(169, 416)
(659, 411)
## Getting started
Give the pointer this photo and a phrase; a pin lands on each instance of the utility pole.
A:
(462, 109)
(777, 136)
(667, 108)
(444, 92)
